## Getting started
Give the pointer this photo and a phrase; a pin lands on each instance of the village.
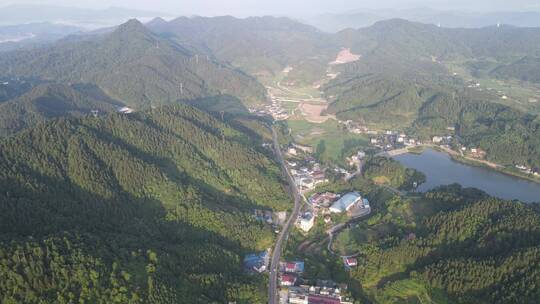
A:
(335, 210)
(293, 287)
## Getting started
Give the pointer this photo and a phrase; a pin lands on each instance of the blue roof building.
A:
(346, 202)
(257, 262)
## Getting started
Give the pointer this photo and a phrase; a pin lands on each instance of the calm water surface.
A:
(440, 169)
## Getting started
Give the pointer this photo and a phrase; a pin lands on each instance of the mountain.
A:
(259, 45)
(48, 101)
(134, 66)
(151, 207)
(334, 23)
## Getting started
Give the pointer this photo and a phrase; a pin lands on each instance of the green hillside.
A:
(450, 246)
(134, 66)
(48, 101)
(404, 79)
(152, 207)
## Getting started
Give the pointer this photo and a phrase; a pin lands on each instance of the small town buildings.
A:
(346, 202)
(292, 267)
(323, 199)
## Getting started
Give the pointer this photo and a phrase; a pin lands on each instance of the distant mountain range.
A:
(260, 45)
(452, 19)
(86, 18)
(132, 64)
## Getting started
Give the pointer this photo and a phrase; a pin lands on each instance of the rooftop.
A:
(346, 202)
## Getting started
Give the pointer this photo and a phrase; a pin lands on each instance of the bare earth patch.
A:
(313, 113)
(345, 56)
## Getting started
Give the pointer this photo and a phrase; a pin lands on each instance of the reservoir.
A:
(440, 169)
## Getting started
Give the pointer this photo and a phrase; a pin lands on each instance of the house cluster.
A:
(528, 170)
(290, 273)
(327, 203)
(471, 84)
(391, 140)
(354, 127)
(323, 201)
(257, 262)
(442, 140)
(474, 152)
(294, 289)
(307, 172)
(325, 294)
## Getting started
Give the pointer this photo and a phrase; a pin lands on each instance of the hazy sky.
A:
(285, 7)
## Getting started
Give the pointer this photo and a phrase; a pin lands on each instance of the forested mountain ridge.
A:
(151, 207)
(134, 66)
(259, 45)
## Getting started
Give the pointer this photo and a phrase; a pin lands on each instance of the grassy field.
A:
(334, 143)
(519, 95)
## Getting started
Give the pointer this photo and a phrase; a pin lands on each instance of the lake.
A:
(440, 169)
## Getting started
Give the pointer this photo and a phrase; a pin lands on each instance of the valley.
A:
(261, 160)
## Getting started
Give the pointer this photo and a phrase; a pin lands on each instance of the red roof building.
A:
(288, 280)
(290, 267)
(351, 262)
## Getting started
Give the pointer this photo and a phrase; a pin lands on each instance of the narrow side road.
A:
(273, 296)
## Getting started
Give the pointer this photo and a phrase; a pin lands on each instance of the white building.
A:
(306, 222)
(437, 139)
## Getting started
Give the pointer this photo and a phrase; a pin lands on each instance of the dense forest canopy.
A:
(148, 207)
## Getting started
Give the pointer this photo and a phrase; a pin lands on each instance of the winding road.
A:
(273, 296)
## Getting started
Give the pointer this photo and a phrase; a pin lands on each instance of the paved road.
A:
(273, 296)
